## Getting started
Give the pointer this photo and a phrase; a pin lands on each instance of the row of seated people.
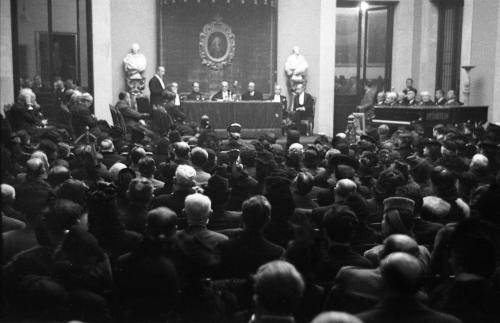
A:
(394, 227)
(411, 98)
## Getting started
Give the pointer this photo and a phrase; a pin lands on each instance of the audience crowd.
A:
(102, 223)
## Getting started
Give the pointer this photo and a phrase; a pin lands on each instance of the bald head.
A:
(336, 317)
(344, 187)
(400, 243)
(403, 274)
(8, 194)
(35, 167)
(161, 223)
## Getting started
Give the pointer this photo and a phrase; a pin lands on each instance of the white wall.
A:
(298, 25)
(484, 55)
(132, 21)
(101, 29)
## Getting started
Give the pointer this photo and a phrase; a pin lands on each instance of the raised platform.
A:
(256, 117)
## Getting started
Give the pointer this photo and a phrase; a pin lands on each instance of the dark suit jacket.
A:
(284, 103)
(244, 254)
(81, 117)
(110, 158)
(130, 115)
(193, 96)
(441, 101)
(404, 309)
(257, 96)
(308, 104)
(22, 118)
(218, 95)
(338, 257)
(156, 91)
(355, 290)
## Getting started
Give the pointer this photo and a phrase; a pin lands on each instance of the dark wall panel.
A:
(252, 23)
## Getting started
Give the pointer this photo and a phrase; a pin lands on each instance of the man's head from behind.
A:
(199, 156)
(147, 166)
(402, 274)
(8, 194)
(140, 191)
(343, 188)
(198, 209)
(336, 317)
(399, 243)
(184, 177)
(256, 212)
(340, 224)
(161, 224)
(278, 288)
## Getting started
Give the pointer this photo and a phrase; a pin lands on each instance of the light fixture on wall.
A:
(363, 6)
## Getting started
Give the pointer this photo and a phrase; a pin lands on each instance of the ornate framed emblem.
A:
(217, 44)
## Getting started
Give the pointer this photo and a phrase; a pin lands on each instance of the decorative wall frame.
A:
(217, 44)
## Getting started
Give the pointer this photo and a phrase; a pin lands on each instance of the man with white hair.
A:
(183, 185)
(198, 209)
(11, 218)
(391, 99)
(224, 94)
(25, 113)
(81, 115)
(426, 98)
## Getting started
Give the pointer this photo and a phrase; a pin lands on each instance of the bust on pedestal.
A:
(296, 70)
(134, 65)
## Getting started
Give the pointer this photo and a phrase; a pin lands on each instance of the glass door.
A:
(363, 52)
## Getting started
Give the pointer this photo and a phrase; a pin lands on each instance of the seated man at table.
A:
(451, 98)
(391, 99)
(277, 97)
(439, 98)
(195, 94)
(426, 98)
(302, 104)
(252, 94)
(224, 94)
(410, 98)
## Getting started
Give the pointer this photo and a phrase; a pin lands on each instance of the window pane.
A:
(33, 50)
(346, 51)
(65, 39)
(376, 51)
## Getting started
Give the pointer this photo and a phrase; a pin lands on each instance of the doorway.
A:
(363, 52)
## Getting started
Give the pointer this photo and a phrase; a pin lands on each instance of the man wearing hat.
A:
(233, 138)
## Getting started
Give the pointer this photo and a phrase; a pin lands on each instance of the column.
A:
(101, 42)
(6, 71)
(466, 53)
(494, 113)
(323, 122)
